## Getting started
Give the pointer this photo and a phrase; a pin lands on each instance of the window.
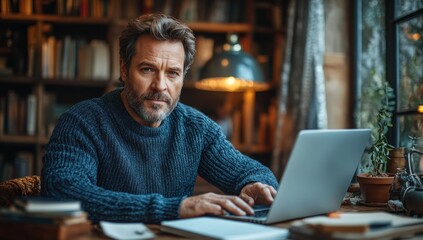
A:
(407, 75)
(389, 46)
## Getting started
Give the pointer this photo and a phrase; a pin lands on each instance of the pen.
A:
(140, 232)
(379, 224)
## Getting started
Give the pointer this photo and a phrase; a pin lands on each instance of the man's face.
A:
(154, 80)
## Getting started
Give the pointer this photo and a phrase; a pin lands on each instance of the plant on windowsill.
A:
(376, 183)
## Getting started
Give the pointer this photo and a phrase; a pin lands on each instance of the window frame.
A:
(392, 64)
(392, 59)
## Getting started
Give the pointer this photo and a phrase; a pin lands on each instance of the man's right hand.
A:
(215, 204)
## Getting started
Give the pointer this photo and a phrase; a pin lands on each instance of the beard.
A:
(148, 111)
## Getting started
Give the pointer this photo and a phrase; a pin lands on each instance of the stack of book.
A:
(43, 218)
(357, 225)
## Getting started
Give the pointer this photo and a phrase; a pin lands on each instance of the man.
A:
(134, 153)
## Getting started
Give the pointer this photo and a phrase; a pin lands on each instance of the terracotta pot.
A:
(375, 189)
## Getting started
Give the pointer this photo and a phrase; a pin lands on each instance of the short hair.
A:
(161, 27)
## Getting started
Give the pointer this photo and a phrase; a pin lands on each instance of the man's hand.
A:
(212, 203)
(258, 193)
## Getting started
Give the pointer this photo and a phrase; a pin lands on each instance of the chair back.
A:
(18, 187)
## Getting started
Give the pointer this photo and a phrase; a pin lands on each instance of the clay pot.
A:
(375, 189)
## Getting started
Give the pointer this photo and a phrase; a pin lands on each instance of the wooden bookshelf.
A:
(29, 32)
(56, 19)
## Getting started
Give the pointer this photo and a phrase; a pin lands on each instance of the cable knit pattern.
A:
(123, 171)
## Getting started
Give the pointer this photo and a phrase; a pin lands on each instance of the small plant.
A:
(379, 152)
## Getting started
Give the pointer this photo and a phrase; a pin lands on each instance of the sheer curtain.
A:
(301, 100)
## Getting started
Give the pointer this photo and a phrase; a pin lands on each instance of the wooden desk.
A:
(165, 236)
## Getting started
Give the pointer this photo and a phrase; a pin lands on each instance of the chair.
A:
(18, 187)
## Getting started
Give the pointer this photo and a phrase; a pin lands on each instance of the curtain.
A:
(301, 94)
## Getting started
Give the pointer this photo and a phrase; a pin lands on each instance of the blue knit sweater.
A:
(123, 171)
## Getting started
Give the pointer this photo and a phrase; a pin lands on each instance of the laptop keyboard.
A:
(258, 213)
(261, 213)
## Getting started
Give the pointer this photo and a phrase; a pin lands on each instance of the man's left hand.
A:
(257, 193)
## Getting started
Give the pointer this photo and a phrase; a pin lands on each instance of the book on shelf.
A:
(23, 164)
(12, 107)
(219, 11)
(188, 11)
(18, 113)
(32, 45)
(31, 114)
(25, 7)
(71, 58)
(45, 204)
(22, 107)
(100, 60)
(18, 164)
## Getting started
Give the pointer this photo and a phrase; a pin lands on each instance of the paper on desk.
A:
(362, 218)
(127, 231)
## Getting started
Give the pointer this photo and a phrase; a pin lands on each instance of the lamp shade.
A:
(231, 70)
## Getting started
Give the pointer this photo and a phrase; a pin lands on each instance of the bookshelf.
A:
(44, 42)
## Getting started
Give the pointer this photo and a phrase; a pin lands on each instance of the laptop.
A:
(317, 175)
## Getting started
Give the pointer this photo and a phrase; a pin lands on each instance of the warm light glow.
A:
(229, 84)
(420, 109)
(230, 81)
(224, 62)
(414, 36)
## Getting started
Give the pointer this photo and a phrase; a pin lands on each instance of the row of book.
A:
(13, 50)
(18, 114)
(74, 58)
(64, 57)
(220, 11)
(83, 8)
(19, 164)
(186, 10)
(43, 218)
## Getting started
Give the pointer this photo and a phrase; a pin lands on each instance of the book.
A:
(100, 60)
(357, 225)
(23, 164)
(31, 114)
(59, 218)
(44, 204)
(216, 228)
(12, 230)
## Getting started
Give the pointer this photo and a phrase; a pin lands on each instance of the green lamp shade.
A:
(231, 70)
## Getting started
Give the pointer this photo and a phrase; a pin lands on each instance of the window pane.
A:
(407, 6)
(410, 92)
(411, 126)
(372, 61)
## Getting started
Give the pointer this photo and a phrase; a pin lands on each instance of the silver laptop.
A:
(317, 175)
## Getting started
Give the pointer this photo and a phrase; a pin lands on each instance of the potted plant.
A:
(375, 183)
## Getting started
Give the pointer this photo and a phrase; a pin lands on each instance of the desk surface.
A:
(165, 236)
